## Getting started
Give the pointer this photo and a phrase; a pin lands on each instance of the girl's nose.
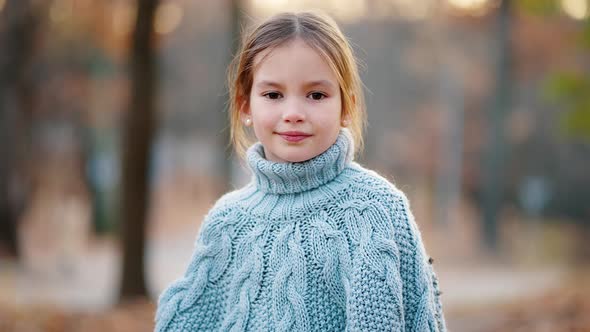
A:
(294, 113)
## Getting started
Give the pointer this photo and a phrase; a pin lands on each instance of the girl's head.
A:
(295, 80)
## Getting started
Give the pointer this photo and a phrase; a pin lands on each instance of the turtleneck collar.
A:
(287, 178)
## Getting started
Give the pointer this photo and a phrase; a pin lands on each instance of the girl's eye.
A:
(272, 95)
(317, 96)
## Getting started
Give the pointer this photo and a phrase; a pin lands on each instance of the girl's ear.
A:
(245, 114)
(243, 105)
(345, 120)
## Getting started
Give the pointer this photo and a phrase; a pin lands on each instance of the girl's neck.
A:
(288, 178)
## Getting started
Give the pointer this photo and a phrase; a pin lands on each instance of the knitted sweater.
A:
(319, 245)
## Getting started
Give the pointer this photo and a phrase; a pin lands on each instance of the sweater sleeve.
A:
(392, 284)
(180, 306)
(420, 287)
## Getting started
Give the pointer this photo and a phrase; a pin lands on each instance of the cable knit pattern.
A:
(320, 245)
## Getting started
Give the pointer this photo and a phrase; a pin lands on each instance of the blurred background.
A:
(114, 145)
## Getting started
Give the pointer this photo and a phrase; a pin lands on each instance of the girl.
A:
(315, 241)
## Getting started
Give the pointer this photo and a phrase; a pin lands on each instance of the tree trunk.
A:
(18, 26)
(224, 139)
(138, 137)
(493, 190)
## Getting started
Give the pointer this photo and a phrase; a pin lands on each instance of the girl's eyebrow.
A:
(320, 83)
(266, 83)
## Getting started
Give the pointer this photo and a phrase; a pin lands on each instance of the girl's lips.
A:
(294, 137)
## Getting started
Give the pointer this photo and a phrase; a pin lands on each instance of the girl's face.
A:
(295, 104)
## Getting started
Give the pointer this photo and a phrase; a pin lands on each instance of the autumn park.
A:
(115, 144)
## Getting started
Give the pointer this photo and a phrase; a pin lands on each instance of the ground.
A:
(564, 307)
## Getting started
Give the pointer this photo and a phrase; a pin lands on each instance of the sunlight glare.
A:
(467, 4)
(271, 3)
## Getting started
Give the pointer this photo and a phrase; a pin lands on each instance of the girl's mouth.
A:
(294, 136)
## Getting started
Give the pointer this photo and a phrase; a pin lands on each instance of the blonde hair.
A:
(321, 33)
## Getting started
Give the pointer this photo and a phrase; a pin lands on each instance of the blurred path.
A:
(90, 282)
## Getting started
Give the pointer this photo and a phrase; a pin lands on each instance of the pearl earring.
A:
(248, 122)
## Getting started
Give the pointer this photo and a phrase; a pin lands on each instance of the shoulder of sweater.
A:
(370, 186)
(373, 185)
(228, 200)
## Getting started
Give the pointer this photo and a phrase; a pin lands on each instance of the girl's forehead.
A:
(269, 52)
(293, 59)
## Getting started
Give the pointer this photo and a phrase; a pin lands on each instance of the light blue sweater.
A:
(321, 245)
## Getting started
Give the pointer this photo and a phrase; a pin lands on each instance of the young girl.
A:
(315, 242)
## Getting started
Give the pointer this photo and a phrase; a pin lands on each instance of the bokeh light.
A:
(168, 17)
(577, 9)
(123, 18)
(468, 4)
(476, 8)
(344, 10)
